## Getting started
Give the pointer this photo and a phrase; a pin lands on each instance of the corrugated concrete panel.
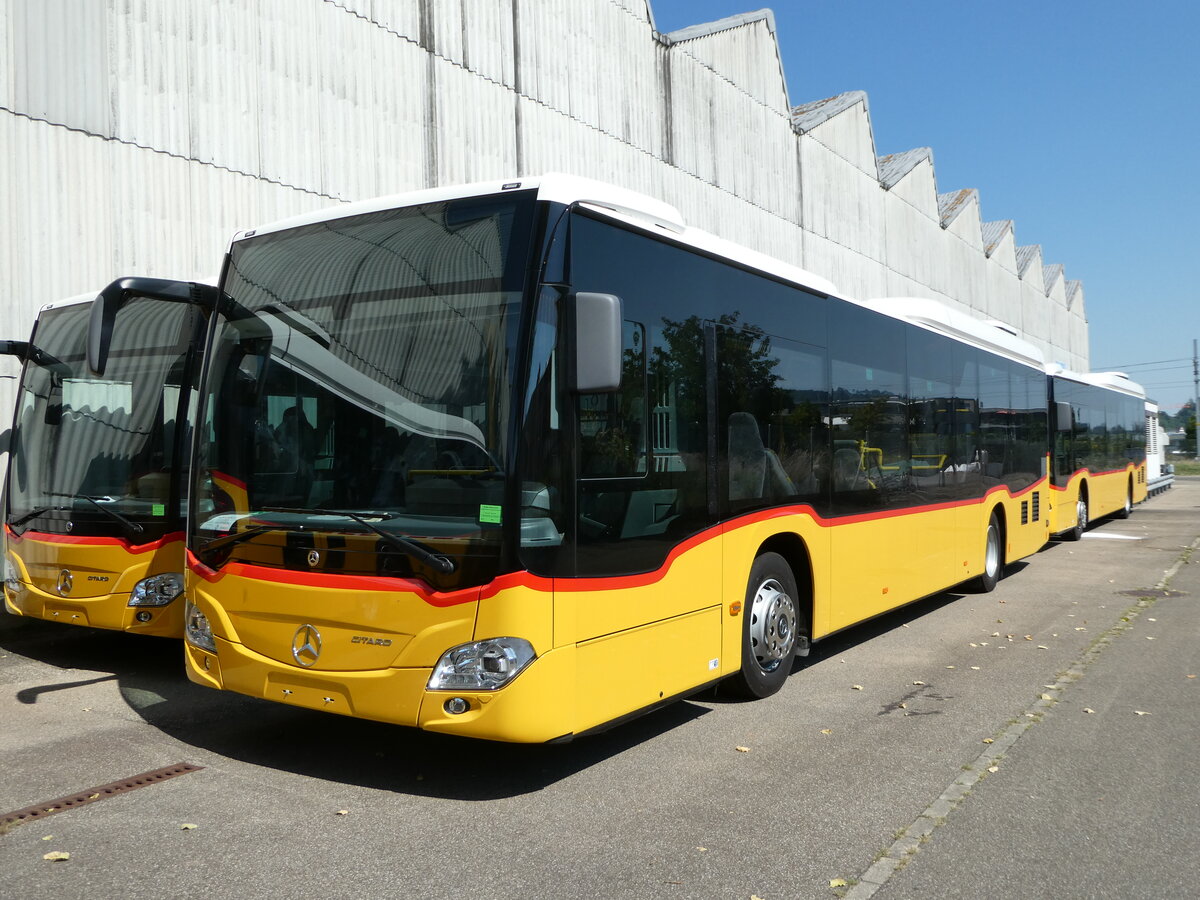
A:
(476, 134)
(60, 70)
(841, 202)
(225, 42)
(967, 223)
(914, 182)
(398, 18)
(743, 50)
(148, 67)
(849, 135)
(7, 54)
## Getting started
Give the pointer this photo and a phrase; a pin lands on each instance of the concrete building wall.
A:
(137, 135)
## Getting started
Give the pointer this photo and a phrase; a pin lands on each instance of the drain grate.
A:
(91, 795)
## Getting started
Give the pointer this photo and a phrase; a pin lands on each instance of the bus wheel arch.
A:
(775, 617)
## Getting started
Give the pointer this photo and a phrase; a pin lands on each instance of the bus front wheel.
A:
(771, 623)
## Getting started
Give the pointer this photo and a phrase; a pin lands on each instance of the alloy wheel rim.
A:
(772, 625)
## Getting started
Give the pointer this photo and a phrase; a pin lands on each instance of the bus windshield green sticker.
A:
(488, 514)
(158, 509)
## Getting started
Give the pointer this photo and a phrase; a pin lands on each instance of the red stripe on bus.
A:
(45, 538)
(560, 583)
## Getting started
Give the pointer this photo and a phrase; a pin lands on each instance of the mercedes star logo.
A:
(65, 582)
(314, 557)
(306, 645)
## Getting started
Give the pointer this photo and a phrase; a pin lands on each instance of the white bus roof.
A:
(616, 202)
(1117, 381)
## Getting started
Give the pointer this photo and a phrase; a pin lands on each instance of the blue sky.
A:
(1078, 120)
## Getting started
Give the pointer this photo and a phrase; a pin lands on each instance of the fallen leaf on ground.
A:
(918, 682)
(1141, 712)
(187, 826)
(993, 769)
(1029, 637)
(1043, 647)
(1045, 697)
(57, 856)
(702, 849)
(988, 741)
(1149, 638)
(48, 837)
(343, 812)
(976, 668)
(742, 749)
(826, 731)
(949, 667)
(1088, 710)
(856, 687)
(837, 882)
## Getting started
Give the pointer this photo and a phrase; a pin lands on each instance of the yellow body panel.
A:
(605, 648)
(103, 573)
(1106, 494)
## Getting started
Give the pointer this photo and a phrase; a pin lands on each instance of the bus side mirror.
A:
(1062, 416)
(19, 349)
(595, 335)
(110, 300)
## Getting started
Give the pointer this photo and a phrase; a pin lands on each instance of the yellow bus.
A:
(520, 460)
(1099, 448)
(95, 499)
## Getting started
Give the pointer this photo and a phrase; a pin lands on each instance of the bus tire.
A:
(771, 622)
(1081, 520)
(1127, 510)
(993, 557)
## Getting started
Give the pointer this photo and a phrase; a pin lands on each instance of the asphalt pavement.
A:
(1037, 741)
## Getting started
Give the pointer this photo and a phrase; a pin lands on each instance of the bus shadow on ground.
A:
(150, 677)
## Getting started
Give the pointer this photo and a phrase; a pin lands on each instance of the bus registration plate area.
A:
(311, 693)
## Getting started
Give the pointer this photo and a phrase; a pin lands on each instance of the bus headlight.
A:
(12, 580)
(195, 628)
(481, 665)
(157, 590)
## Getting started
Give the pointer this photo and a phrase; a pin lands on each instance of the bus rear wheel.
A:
(771, 623)
(993, 558)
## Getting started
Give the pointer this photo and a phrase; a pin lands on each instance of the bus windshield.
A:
(358, 394)
(101, 456)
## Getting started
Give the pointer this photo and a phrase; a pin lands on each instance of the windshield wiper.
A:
(237, 537)
(132, 526)
(443, 564)
(33, 514)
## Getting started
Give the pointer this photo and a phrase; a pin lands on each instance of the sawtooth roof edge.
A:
(993, 233)
(1074, 286)
(691, 32)
(953, 203)
(1025, 257)
(1051, 274)
(894, 166)
(808, 116)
